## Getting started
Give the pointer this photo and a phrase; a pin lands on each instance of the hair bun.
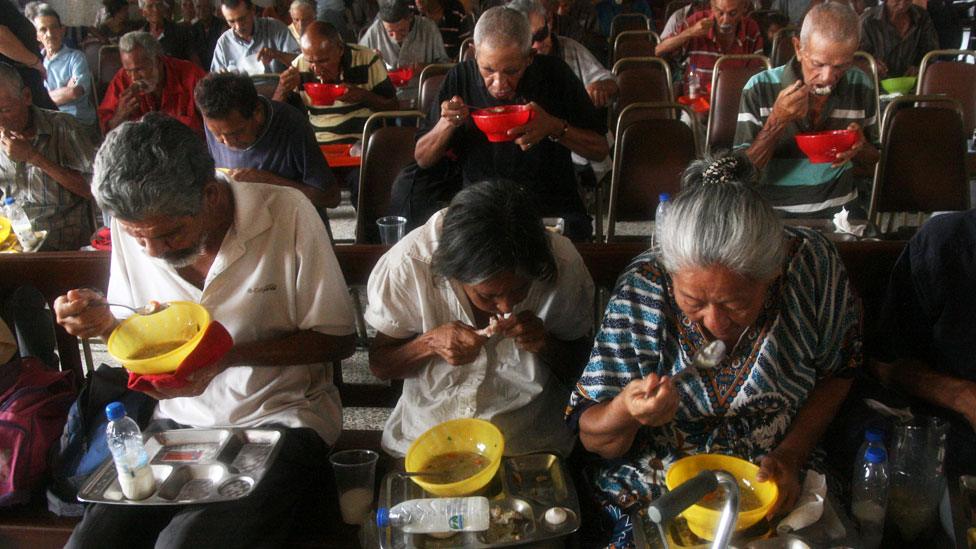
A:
(723, 170)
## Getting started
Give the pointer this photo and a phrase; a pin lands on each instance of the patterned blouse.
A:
(808, 330)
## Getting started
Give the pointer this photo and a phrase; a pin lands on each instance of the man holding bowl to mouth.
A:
(818, 90)
(564, 119)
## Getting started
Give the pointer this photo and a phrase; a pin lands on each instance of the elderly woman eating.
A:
(780, 300)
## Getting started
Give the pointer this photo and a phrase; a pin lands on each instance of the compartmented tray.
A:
(523, 490)
(194, 466)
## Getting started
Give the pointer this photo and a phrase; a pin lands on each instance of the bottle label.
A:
(456, 522)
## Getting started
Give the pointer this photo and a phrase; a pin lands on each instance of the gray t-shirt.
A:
(422, 46)
(234, 54)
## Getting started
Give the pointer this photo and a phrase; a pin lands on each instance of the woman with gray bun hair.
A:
(728, 270)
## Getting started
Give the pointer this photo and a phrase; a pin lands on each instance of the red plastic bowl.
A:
(496, 121)
(323, 95)
(823, 147)
(400, 77)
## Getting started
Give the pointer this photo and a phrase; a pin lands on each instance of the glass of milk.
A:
(355, 472)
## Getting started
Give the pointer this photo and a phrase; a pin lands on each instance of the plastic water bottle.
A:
(663, 205)
(20, 223)
(425, 516)
(125, 441)
(694, 83)
(869, 496)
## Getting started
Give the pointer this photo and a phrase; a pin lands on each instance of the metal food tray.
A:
(194, 466)
(529, 485)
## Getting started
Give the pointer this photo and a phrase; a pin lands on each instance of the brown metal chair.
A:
(783, 49)
(466, 50)
(651, 152)
(628, 22)
(634, 44)
(956, 79)
(866, 62)
(109, 63)
(429, 84)
(387, 149)
(641, 80)
(923, 164)
(728, 80)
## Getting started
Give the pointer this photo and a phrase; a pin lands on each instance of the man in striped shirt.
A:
(724, 29)
(816, 91)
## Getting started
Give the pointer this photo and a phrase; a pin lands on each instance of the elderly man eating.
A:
(565, 121)
(898, 34)
(817, 90)
(150, 81)
(45, 164)
(780, 300)
(724, 29)
(252, 44)
(258, 258)
(485, 314)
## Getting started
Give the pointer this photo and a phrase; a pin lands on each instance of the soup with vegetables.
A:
(748, 500)
(454, 467)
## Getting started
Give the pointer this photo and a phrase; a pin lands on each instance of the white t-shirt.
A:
(510, 387)
(275, 274)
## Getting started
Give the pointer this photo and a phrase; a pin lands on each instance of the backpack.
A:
(83, 447)
(34, 402)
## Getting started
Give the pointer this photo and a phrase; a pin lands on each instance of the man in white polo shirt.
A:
(258, 258)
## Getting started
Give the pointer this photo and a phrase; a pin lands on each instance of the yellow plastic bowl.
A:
(181, 321)
(457, 435)
(702, 520)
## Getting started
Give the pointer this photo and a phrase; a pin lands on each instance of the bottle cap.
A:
(382, 517)
(9, 200)
(663, 197)
(114, 411)
(875, 455)
(874, 435)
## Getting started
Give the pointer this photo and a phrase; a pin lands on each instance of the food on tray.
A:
(454, 466)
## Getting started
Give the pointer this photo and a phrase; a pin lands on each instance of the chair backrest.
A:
(957, 79)
(923, 157)
(783, 48)
(638, 43)
(628, 22)
(729, 77)
(641, 80)
(109, 63)
(865, 61)
(387, 149)
(466, 50)
(429, 84)
(91, 50)
(650, 154)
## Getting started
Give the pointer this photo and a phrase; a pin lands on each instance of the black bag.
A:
(83, 448)
(419, 193)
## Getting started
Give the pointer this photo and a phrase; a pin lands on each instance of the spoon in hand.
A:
(150, 308)
(707, 358)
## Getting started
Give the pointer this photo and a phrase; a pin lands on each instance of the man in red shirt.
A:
(150, 81)
(724, 29)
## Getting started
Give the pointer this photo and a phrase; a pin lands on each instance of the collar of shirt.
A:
(257, 37)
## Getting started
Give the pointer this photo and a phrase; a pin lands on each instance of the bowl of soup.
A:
(496, 121)
(461, 455)
(158, 343)
(755, 498)
(400, 77)
(324, 95)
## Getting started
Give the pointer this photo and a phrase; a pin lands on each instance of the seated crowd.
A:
(480, 310)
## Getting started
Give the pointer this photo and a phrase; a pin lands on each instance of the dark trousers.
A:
(265, 518)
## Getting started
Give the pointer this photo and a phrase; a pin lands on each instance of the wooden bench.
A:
(869, 264)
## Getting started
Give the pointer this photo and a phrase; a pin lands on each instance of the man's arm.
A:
(67, 93)
(678, 41)
(19, 149)
(303, 347)
(917, 378)
(395, 358)
(13, 48)
(791, 103)
(434, 144)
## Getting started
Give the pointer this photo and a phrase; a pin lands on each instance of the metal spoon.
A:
(707, 358)
(150, 308)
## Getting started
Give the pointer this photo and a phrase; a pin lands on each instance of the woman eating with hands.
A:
(777, 297)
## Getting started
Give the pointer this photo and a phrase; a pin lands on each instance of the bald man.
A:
(817, 90)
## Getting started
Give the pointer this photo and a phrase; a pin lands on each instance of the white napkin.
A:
(843, 225)
(809, 506)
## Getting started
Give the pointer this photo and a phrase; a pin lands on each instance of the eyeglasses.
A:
(541, 34)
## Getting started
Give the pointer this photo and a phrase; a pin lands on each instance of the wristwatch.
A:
(562, 133)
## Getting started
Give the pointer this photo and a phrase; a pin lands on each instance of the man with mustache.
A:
(258, 258)
(818, 90)
(724, 29)
(503, 72)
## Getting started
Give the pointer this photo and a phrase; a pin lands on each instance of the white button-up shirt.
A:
(275, 274)
(508, 386)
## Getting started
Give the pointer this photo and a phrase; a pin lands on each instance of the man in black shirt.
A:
(565, 120)
(19, 48)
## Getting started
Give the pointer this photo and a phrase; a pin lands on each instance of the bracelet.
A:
(561, 134)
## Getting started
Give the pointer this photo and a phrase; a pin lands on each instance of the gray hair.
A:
(528, 8)
(501, 27)
(144, 3)
(835, 21)
(45, 10)
(140, 39)
(154, 167)
(10, 78)
(723, 221)
(302, 4)
(491, 228)
(33, 9)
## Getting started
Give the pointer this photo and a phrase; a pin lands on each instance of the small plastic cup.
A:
(355, 472)
(392, 228)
